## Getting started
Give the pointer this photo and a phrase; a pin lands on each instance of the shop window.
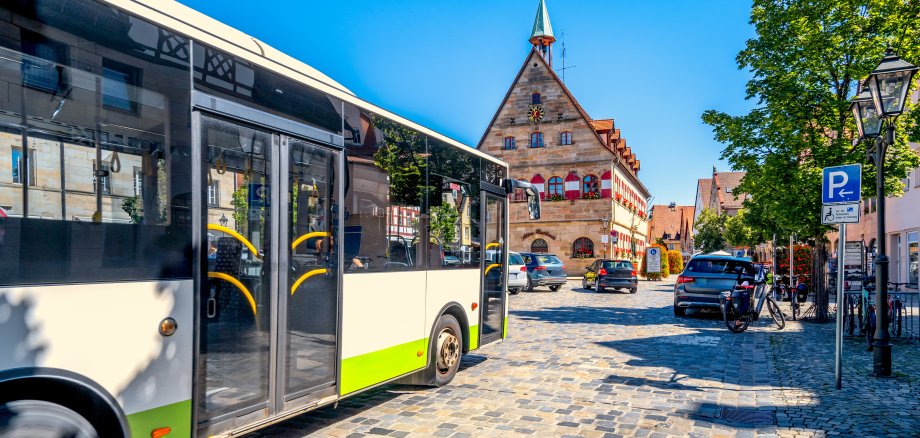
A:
(583, 248)
(565, 138)
(213, 194)
(536, 140)
(555, 187)
(510, 144)
(539, 245)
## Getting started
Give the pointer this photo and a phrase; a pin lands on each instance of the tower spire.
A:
(542, 35)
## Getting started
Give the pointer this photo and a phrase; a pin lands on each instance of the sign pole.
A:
(838, 357)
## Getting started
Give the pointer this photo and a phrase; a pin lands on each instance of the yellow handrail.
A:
(235, 282)
(489, 268)
(493, 244)
(307, 236)
(238, 236)
(304, 277)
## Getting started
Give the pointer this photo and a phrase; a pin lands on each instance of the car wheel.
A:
(584, 283)
(448, 348)
(555, 288)
(680, 311)
(597, 286)
(529, 286)
(632, 290)
(513, 290)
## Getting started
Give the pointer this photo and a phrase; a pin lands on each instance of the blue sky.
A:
(653, 66)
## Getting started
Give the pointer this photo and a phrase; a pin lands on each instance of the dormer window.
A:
(535, 99)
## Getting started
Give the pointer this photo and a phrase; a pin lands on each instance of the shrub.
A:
(675, 262)
(664, 264)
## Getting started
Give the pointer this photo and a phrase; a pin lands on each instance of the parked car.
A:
(612, 274)
(544, 270)
(704, 278)
(450, 260)
(517, 273)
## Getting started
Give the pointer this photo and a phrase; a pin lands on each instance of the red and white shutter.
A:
(606, 185)
(572, 183)
(539, 182)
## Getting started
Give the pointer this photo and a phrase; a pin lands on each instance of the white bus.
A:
(202, 236)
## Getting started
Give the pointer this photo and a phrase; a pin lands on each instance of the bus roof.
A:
(200, 27)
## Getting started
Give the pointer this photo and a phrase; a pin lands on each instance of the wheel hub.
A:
(448, 352)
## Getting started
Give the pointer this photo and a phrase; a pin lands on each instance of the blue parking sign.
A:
(841, 184)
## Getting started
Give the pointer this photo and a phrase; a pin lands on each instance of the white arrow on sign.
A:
(842, 193)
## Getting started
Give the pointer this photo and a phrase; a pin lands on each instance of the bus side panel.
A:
(454, 285)
(383, 327)
(108, 332)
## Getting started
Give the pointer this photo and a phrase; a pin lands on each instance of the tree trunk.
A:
(817, 279)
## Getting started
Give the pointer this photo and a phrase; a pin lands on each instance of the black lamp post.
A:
(223, 220)
(887, 87)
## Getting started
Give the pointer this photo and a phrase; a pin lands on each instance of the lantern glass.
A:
(889, 91)
(867, 119)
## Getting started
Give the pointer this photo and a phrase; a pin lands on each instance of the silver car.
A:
(704, 278)
(517, 273)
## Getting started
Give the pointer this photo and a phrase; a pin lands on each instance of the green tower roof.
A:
(541, 26)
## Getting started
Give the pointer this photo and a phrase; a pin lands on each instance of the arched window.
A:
(539, 245)
(536, 139)
(510, 144)
(583, 248)
(590, 185)
(535, 99)
(565, 138)
(555, 187)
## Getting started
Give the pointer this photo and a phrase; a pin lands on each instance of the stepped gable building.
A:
(718, 194)
(583, 167)
(673, 224)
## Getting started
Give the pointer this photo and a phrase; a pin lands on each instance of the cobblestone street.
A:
(578, 363)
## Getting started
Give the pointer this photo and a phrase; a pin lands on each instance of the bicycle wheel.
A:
(731, 320)
(776, 314)
(794, 304)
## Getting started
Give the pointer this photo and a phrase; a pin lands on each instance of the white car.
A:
(517, 273)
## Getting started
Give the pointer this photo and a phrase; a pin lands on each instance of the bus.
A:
(202, 235)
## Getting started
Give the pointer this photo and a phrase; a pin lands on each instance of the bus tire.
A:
(43, 418)
(447, 349)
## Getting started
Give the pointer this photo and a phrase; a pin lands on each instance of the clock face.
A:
(535, 113)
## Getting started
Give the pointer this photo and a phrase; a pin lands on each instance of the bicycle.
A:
(737, 310)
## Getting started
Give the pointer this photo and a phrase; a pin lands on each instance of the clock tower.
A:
(542, 35)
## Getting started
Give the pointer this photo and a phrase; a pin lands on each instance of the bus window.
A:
(103, 192)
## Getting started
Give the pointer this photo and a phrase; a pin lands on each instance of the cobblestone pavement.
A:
(578, 363)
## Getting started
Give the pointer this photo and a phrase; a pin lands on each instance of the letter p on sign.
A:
(838, 179)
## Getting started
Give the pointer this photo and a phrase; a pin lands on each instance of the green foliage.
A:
(130, 206)
(739, 233)
(806, 59)
(643, 270)
(710, 229)
(402, 156)
(444, 219)
(240, 203)
(675, 262)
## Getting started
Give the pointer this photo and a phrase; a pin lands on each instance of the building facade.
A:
(586, 174)
(673, 224)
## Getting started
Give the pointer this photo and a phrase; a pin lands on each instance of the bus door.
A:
(269, 300)
(494, 274)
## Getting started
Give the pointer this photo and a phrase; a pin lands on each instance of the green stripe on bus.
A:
(505, 328)
(474, 337)
(368, 369)
(177, 416)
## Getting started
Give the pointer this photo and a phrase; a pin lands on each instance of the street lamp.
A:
(223, 220)
(606, 225)
(888, 85)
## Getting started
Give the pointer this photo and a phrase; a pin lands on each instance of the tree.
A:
(806, 59)
(709, 231)
(675, 262)
(738, 232)
(643, 269)
(444, 220)
(130, 206)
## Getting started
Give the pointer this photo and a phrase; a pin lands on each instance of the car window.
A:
(545, 259)
(719, 266)
(515, 259)
(618, 264)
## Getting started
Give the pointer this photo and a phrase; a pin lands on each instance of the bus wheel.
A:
(448, 347)
(22, 418)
